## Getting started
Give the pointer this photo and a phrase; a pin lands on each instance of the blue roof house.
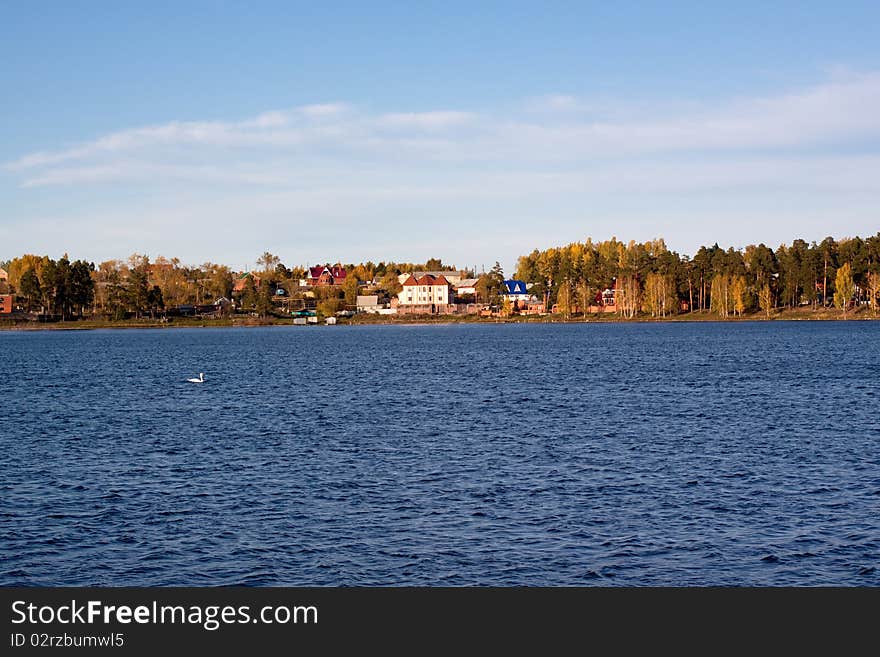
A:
(515, 291)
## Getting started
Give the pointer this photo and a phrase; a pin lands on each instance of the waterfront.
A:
(567, 454)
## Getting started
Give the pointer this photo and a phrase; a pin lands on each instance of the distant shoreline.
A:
(367, 320)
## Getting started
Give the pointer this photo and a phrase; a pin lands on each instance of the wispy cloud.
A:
(425, 120)
(824, 114)
(324, 109)
(557, 156)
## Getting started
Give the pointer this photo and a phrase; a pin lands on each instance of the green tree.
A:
(82, 286)
(116, 295)
(489, 286)
(264, 298)
(249, 294)
(828, 255)
(138, 291)
(63, 287)
(154, 300)
(586, 293)
(29, 288)
(844, 287)
(48, 276)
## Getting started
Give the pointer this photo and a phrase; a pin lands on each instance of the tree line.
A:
(646, 278)
(118, 289)
(649, 278)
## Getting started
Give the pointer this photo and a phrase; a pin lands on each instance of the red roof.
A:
(427, 279)
(338, 273)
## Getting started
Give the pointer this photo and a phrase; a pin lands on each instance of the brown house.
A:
(240, 283)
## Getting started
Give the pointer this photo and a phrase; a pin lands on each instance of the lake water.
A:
(594, 454)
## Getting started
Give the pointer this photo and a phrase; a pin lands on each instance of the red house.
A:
(326, 275)
(5, 304)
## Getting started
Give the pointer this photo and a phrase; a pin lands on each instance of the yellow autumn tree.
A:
(765, 299)
(844, 287)
(739, 294)
(874, 290)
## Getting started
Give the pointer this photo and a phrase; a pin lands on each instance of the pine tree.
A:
(29, 287)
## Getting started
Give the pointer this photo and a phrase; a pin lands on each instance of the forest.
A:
(650, 279)
(647, 279)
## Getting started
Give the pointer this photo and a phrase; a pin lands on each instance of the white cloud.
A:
(324, 109)
(269, 120)
(425, 120)
(839, 110)
(546, 160)
(555, 103)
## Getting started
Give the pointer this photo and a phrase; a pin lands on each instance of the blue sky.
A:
(468, 131)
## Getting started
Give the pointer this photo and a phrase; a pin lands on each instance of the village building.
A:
(515, 290)
(608, 297)
(466, 287)
(5, 304)
(427, 294)
(368, 303)
(224, 305)
(241, 282)
(605, 301)
(4, 275)
(324, 275)
(452, 277)
(531, 306)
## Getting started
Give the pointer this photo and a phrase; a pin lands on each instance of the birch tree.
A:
(844, 287)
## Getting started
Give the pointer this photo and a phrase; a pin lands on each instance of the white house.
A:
(467, 286)
(428, 290)
(515, 291)
(368, 303)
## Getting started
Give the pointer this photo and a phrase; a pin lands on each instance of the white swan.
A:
(201, 378)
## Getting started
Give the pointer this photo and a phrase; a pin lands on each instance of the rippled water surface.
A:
(611, 454)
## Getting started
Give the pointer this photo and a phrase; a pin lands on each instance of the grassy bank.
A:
(188, 322)
(798, 314)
